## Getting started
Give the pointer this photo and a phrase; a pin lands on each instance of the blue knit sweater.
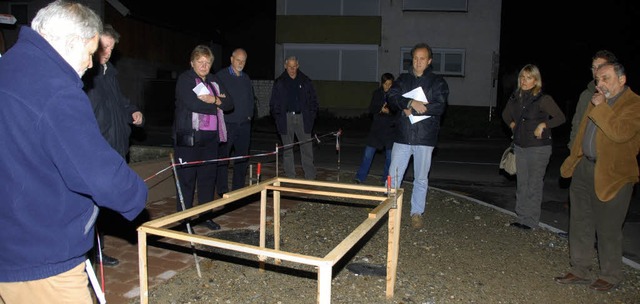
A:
(55, 166)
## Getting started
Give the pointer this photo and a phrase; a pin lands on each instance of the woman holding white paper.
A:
(198, 128)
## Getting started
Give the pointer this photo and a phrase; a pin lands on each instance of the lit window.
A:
(446, 62)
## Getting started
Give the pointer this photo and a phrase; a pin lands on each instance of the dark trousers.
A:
(238, 140)
(197, 176)
(591, 218)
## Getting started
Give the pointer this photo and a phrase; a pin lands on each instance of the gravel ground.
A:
(466, 253)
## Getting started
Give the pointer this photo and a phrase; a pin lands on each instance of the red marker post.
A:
(258, 172)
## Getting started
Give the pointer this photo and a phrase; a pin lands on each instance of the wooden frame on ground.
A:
(391, 204)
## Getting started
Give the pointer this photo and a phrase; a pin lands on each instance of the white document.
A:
(201, 89)
(415, 119)
(416, 94)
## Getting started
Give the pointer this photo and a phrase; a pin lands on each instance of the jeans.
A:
(400, 156)
(365, 165)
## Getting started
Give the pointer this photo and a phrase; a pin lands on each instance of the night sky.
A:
(562, 40)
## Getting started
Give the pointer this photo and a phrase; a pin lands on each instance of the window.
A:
(435, 5)
(348, 62)
(446, 62)
(332, 7)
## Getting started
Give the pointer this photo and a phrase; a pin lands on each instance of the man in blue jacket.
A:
(417, 137)
(56, 169)
(294, 107)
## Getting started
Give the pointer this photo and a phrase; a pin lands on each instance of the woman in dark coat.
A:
(198, 128)
(381, 132)
(531, 114)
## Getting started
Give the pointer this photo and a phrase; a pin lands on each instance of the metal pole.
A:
(338, 149)
(188, 224)
(277, 157)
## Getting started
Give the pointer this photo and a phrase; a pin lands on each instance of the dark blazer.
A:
(307, 96)
(112, 109)
(383, 125)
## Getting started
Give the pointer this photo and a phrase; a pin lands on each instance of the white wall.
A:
(477, 31)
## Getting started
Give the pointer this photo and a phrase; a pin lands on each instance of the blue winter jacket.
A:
(55, 166)
(424, 132)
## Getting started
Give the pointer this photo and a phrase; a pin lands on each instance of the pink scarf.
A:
(205, 121)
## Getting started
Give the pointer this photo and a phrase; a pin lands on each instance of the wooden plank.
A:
(393, 246)
(326, 193)
(142, 267)
(324, 283)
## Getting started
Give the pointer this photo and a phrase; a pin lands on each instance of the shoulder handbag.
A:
(508, 160)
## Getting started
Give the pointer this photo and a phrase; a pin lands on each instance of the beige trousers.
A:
(68, 287)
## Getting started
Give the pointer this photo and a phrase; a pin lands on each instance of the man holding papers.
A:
(420, 98)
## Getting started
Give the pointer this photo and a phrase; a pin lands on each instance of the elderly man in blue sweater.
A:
(56, 169)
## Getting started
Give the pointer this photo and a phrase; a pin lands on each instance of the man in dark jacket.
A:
(238, 121)
(55, 167)
(294, 106)
(112, 109)
(417, 137)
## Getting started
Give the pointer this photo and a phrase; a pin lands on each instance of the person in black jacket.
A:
(294, 106)
(381, 132)
(417, 124)
(198, 129)
(114, 112)
(530, 114)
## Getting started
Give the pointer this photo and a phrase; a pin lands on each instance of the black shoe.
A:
(107, 260)
(356, 181)
(521, 226)
(212, 225)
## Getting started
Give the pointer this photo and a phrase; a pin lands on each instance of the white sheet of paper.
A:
(201, 89)
(415, 119)
(416, 94)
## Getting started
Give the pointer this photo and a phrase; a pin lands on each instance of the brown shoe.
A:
(571, 278)
(602, 285)
(416, 221)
